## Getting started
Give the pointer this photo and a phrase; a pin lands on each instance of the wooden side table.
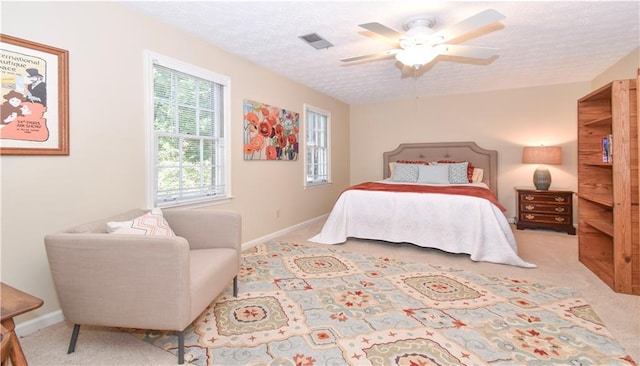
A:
(13, 303)
(552, 209)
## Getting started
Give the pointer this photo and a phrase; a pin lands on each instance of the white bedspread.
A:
(452, 223)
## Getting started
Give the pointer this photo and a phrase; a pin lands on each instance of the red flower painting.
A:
(270, 133)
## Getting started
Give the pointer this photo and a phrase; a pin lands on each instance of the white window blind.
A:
(189, 138)
(317, 127)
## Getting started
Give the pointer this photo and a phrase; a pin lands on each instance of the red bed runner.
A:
(460, 190)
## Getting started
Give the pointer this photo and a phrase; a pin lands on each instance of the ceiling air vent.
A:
(315, 41)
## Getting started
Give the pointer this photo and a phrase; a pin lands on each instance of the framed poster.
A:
(270, 132)
(35, 98)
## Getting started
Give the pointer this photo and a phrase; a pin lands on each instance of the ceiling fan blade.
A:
(382, 30)
(467, 51)
(372, 56)
(472, 23)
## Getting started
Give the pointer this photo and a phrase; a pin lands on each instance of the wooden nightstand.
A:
(552, 209)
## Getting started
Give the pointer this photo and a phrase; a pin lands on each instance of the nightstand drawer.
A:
(545, 197)
(545, 218)
(545, 208)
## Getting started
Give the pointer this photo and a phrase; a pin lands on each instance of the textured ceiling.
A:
(540, 42)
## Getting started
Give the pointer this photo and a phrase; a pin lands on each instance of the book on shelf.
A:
(607, 150)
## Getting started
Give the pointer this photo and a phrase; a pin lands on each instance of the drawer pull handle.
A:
(529, 216)
(530, 207)
(559, 219)
(559, 209)
(560, 199)
(529, 197)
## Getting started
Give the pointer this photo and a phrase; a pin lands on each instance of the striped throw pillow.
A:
(151, 223)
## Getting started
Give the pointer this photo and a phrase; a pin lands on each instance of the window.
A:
(318, 154)
(188, 133)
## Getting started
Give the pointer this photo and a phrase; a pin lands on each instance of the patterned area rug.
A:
(304, 305)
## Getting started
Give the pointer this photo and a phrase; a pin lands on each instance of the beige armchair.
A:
(145, 281)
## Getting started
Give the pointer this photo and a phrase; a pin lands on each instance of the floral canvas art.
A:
(270, 133)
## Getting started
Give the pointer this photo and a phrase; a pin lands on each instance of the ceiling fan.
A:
(421, 44)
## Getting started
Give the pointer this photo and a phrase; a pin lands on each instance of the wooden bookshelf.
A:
(609, 229)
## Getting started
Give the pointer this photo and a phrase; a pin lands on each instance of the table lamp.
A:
(551, 155)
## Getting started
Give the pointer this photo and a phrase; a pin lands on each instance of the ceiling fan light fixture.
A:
(417, 57)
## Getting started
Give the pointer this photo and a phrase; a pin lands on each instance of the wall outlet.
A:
(277, 213)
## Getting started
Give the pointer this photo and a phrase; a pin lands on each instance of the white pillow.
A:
(478, 175)
(433, 174)
(405, 173)
(151, 223)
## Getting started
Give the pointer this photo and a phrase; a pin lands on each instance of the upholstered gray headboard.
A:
(457, 151)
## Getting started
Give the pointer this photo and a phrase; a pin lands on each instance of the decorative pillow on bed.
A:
(151, 223)
(458, 173)
(392, 165)
(478, 175)
(413, 162)
(433, 174)
(405, 173)
(469, 167)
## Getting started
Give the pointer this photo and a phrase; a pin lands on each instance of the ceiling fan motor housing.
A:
(427, 21)
(418, 30)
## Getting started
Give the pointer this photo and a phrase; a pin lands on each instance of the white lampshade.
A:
(416, 56)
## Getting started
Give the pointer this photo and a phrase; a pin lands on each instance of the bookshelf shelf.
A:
(600, 165)
(602, 120)
(605, 227)
(600, 199)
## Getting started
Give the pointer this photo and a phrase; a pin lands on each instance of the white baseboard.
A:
(253, 243)
(33, 325)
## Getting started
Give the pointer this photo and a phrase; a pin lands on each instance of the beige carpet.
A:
(554, 253)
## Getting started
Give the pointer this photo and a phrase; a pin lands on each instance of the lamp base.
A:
(542, 179)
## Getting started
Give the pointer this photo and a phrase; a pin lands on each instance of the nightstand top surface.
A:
(524, 188)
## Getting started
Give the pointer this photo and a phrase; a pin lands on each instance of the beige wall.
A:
(104, 174)
(500, 120)
(625, 68)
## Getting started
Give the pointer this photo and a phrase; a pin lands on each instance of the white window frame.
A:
(151, 58)
(308, 145)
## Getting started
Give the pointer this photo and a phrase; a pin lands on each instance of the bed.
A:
(452, 222)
